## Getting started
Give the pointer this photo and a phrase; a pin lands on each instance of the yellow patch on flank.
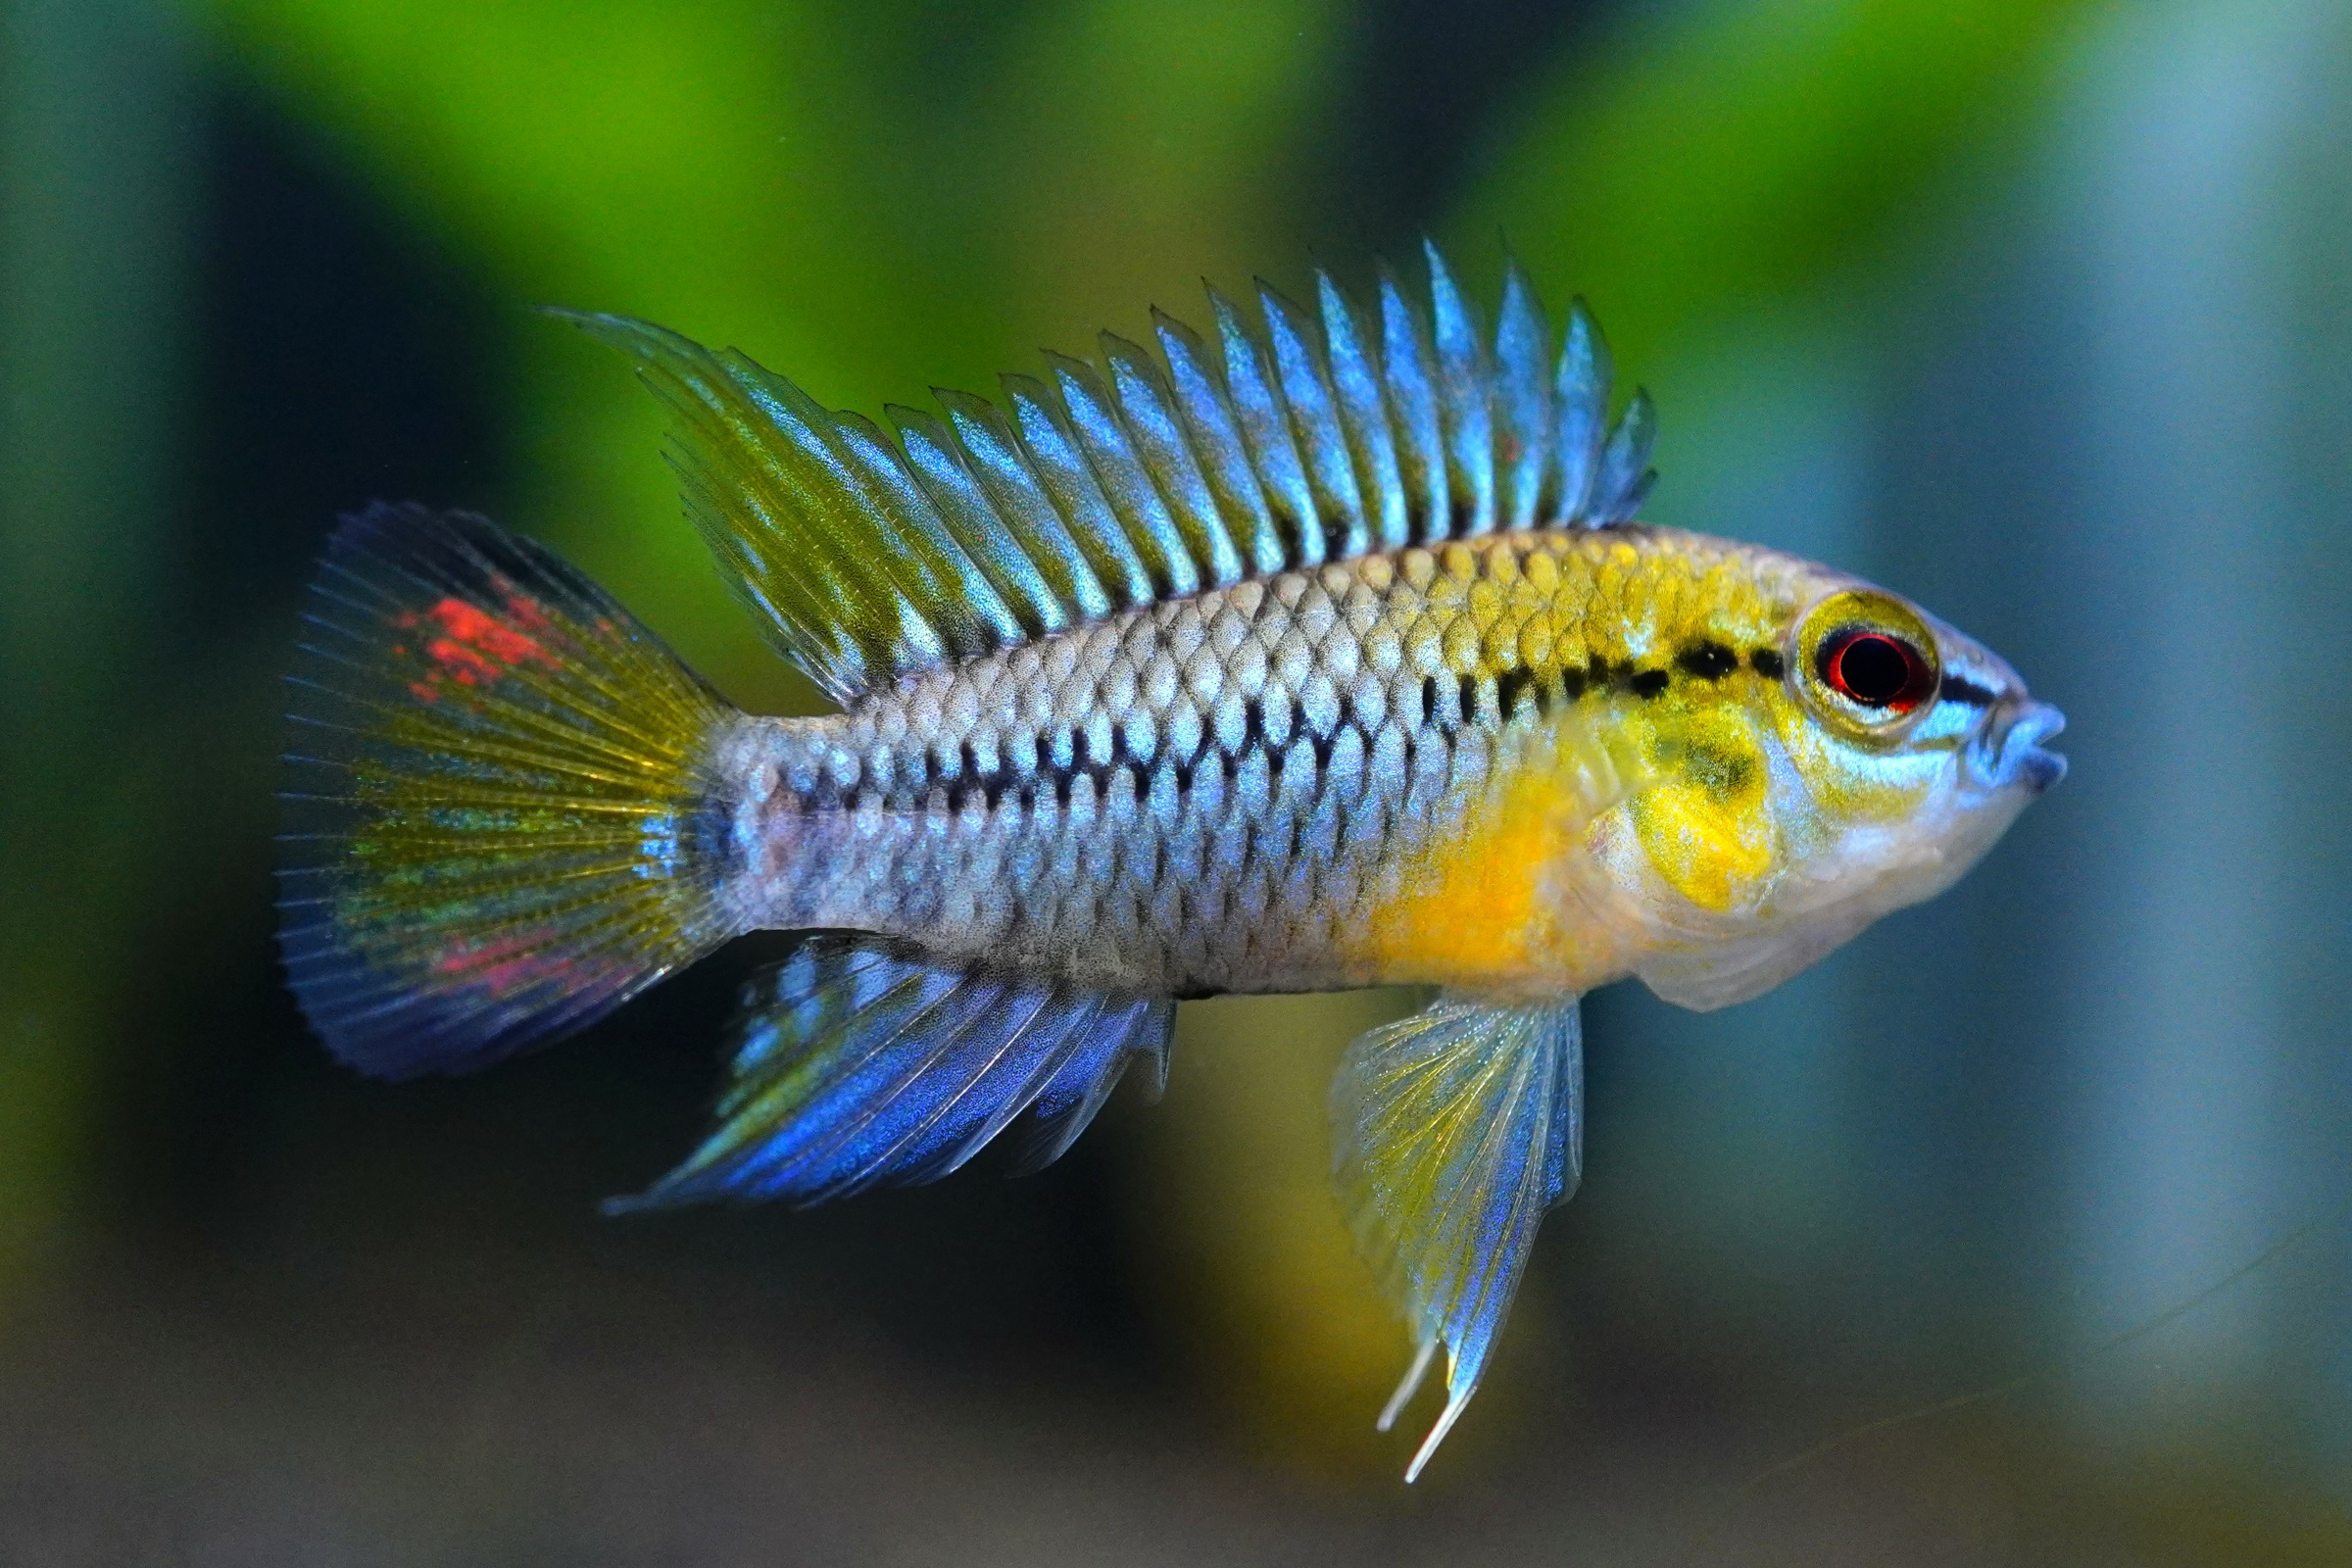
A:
(1482, 908)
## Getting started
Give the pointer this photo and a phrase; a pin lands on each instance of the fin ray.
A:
(1306, 391)
(1363, 417)
(1456, 1130)
(1523, 424)
(1100, 488)
(1463, 413)
(500, 819)
(860, 1063)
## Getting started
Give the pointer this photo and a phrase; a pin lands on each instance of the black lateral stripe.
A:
(1767, 663)
(1649, 682)
(1508, 686)
(1707, 661)
(1960, 689)
(1469, 699)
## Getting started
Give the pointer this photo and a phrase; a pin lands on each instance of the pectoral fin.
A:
(1455, 1129)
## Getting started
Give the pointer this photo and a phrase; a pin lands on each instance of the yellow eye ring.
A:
(1866, 663)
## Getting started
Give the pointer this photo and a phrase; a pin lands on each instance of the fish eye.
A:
(1866, 663)
(1874, 668)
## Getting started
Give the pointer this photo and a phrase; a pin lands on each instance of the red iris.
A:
(1876, 669)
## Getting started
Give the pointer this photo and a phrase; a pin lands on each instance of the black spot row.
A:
(1513, 687)
(964, 776)
(1516, 689)
(1706, 661)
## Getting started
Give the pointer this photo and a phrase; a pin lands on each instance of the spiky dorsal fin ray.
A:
(1317, 438)
(859, 1064)
(1456, 1129)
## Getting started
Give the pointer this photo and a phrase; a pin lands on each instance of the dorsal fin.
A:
(1302, 440)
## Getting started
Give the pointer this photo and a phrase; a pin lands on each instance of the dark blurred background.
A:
(2040, 312)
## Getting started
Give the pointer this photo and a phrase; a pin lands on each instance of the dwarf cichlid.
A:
(1325, 654)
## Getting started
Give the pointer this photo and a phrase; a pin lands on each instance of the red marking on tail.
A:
(502, 964)
(475, 647)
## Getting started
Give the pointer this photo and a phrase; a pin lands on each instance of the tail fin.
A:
(502, 820)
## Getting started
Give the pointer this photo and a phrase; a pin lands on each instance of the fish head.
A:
(1878, 756)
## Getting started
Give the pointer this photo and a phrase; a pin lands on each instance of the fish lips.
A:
(2013, 753)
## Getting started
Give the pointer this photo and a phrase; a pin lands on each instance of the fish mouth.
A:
(2015, 752)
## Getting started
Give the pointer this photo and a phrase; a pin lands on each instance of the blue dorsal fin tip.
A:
(1456, 329)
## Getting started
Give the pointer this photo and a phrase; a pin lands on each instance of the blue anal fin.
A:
(859, 1064)
(1455, 1130)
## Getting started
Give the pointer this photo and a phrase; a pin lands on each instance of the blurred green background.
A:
(2042, 312)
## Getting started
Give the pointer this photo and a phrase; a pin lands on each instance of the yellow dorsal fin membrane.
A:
(1301, 439)
(1455, 1130)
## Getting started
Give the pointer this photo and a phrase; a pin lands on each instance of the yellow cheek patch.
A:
(1706, 824)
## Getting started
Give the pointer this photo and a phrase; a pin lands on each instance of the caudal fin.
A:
(502, 820)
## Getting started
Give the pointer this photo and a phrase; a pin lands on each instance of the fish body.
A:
(1417, 767)
(1333, 659)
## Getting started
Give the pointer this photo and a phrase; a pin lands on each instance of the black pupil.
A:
(1872, 670)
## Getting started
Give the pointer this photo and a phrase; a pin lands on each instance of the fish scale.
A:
(1267, 753)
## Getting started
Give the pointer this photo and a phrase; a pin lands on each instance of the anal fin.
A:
(859, 1064)
(1455, 1130)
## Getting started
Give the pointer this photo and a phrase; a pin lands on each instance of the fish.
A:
(1327, 650)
